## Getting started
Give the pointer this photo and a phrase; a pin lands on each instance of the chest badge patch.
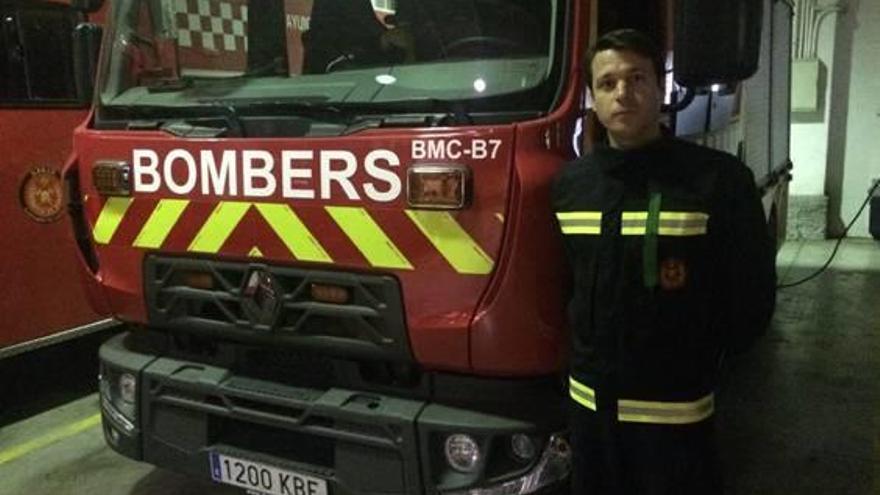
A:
(673, 274)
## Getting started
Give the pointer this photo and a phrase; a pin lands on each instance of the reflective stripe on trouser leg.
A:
(652, 412)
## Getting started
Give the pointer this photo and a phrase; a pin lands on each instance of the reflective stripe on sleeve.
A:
(652, 412)
(580, 222)
(672, 223)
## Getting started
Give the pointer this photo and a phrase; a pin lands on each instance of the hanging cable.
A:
(837, 244)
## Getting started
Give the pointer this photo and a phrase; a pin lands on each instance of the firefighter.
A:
(672, 266)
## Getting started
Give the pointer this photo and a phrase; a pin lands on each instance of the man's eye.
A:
(606, 85)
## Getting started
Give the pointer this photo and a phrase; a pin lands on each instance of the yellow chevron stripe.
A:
(368, 237)
(220, 225)
(109, 219)
(161, 221)
(295, 235)
(453, 242)
(255, 252)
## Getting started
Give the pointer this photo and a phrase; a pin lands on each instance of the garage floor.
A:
(800, 414)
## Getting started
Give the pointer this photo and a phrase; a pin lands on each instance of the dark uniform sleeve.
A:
(559, 191)
(747, 263)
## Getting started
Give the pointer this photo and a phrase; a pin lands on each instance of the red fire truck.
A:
(40, 104)
(328, 225)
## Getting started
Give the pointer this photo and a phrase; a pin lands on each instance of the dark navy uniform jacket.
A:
(672, 263)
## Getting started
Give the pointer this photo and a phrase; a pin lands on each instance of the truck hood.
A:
(337, 203)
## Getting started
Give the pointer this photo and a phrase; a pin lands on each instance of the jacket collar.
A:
(653, 155)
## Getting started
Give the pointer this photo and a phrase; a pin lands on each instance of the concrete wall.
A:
(862, 131)
(837, 152)
(809, 134)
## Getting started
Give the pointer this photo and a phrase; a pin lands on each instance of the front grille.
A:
(289, 367)
(219, 298)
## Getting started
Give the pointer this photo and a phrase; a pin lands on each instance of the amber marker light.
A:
(112, 178)
(331, 294)
(438, 187)
(195, 279)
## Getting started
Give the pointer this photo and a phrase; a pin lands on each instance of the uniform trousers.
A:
(610, 457)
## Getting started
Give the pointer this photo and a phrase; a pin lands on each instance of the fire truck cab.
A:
(328, 225)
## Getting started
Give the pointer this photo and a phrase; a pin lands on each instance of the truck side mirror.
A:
(716, 41)
(87, 6)
(86, 46)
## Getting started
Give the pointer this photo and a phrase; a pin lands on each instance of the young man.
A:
(672, 266)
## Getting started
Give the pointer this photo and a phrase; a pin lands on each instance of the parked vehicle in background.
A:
(43, 298)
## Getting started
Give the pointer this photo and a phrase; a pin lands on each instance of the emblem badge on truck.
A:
(261, 298)
(42, 194)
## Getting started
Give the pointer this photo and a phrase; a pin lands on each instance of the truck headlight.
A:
(553, 467)
(462, 453)
(119, 397)
(523, 447)
(127, 388)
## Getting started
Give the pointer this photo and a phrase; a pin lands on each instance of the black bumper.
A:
(360, 442)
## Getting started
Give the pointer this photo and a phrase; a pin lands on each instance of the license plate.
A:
(263, 478)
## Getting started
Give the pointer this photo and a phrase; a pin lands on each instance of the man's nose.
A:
(623, 89)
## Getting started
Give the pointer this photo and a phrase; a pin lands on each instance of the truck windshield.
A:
(331, 53)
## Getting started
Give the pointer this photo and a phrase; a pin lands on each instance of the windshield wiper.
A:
(432, 111)
(277, 106)
(351, 118)
(178, 120)
(364, 122)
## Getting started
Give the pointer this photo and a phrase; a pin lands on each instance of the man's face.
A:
(626, 97)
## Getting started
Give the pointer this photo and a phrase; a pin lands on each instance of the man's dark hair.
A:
(627, 40)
